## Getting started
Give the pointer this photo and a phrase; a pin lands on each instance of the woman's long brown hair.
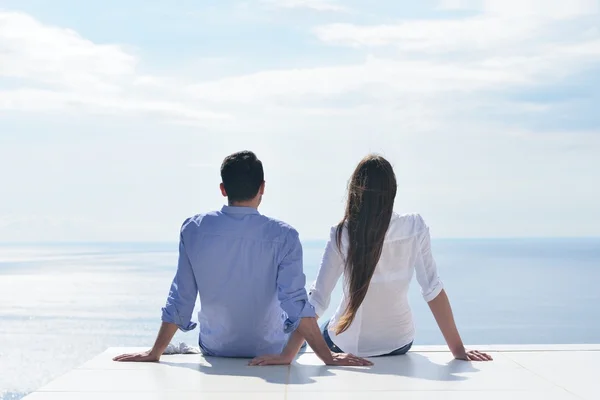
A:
(371, 194)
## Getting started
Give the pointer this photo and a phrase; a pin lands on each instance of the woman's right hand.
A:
(348, 360)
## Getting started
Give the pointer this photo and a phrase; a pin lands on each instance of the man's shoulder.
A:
(277, 230)
(195, 220)
(279, 227)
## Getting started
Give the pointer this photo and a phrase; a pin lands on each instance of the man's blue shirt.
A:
(247, 269)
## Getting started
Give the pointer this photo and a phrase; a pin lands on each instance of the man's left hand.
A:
(271, 359)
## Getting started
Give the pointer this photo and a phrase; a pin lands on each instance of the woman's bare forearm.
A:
(442, 311)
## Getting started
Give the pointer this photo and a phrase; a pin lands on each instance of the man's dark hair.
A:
(242, 174)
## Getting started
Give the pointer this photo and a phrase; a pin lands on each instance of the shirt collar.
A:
(239, 210)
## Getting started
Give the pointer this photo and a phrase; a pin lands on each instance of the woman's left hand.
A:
(473, 355)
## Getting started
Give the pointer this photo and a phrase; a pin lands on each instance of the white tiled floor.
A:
(523, 372)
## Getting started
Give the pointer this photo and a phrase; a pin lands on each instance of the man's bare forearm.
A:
(442, 311)
(165, 335)
(309, 329)
(293, 346)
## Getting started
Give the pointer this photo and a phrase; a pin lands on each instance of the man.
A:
(247, 269)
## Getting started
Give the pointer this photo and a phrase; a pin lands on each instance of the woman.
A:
(377, 252)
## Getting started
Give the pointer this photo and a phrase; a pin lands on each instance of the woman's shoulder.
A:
(401, 226)
(333, 231)
(405, 226)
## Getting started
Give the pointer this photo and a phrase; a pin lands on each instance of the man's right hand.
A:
(146, 356)
(343, 359)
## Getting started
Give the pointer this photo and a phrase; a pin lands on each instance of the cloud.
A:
(497, 49)
(497, 26)
(428, 35)
(456, 101)
(389, 80)
(519, 8)
(503, 46)
(315, 5)
(456, 4)
(56, 69)
(432, 59)
(59, 57)
(376, 76)
(555, 9)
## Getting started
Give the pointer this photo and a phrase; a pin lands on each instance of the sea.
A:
(62, 304)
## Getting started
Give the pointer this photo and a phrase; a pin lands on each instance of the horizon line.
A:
(311, 240)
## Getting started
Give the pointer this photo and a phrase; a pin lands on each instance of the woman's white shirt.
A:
(383, 322)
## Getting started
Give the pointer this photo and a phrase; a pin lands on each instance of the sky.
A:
(116, 115)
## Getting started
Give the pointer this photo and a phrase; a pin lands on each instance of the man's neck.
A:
(250, 204)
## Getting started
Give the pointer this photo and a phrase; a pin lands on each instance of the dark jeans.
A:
(333, 347)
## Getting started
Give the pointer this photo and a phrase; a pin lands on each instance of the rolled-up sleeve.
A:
(291, 283)
(183, 293)
(426, 269)
(332, 266)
